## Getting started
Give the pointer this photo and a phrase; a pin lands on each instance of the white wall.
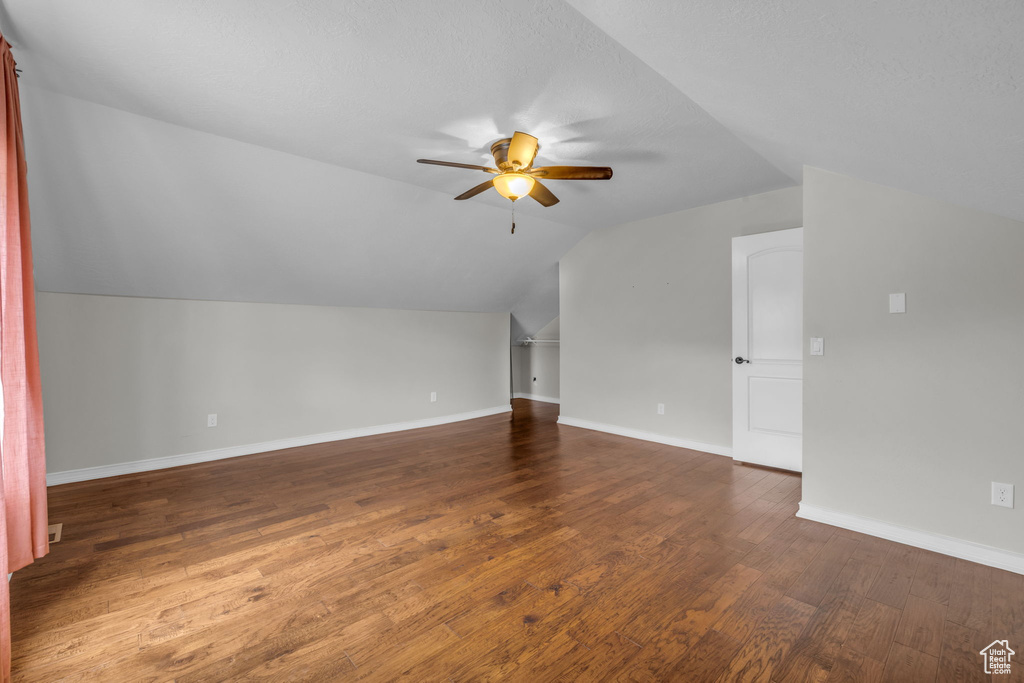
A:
(535, 371)
(909, 418)
(128, 379)
(535, 368)
(646, 318)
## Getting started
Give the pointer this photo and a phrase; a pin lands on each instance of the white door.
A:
(767, 348)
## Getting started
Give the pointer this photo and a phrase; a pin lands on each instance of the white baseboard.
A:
(646, 436)
(68, 476)
(947, 545)
(536, 397)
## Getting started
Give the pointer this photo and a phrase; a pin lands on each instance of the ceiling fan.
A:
(515, 177)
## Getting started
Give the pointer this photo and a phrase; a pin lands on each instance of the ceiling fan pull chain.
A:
(513, 218)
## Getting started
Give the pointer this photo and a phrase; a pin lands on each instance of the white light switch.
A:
(898, 303)
(817, 346)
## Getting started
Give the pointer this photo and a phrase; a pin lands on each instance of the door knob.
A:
(740, 360)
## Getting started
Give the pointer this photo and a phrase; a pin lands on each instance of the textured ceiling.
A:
(288, 173)
(922, 95)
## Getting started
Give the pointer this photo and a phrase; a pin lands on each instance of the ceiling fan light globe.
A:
(513, 185)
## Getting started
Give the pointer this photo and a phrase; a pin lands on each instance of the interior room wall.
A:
(535, 372)
(908, 418)
(132, 379)
(646, 318)
(535, 367)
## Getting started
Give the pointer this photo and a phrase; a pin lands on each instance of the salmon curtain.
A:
(23, 533)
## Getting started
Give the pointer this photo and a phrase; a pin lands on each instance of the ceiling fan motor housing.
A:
(499, 150)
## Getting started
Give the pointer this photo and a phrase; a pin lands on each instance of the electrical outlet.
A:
(1002, 494)
(433, 397)
(211, 420)
(661, 409)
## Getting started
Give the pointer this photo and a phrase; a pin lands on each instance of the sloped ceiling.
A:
(921, 95)
(264, 151)
(127, 205)
(550, 331)
(537, 307)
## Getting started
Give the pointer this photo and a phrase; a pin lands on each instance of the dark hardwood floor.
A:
(500, 548)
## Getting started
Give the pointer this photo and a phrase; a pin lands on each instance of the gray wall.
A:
(540, 362)
(646, 318)
(128, 379)
(909, 418)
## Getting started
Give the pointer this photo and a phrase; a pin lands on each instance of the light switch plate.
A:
(817, 346)
(898, 303)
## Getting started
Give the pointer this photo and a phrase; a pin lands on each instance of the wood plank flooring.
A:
(504, 548)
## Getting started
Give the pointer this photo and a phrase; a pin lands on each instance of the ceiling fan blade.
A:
(572, 172)
(457, 165)
(487, 184)
(543, 194)
(522, 149)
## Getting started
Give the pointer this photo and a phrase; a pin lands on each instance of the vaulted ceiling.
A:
(921, 95)
(260, 150)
